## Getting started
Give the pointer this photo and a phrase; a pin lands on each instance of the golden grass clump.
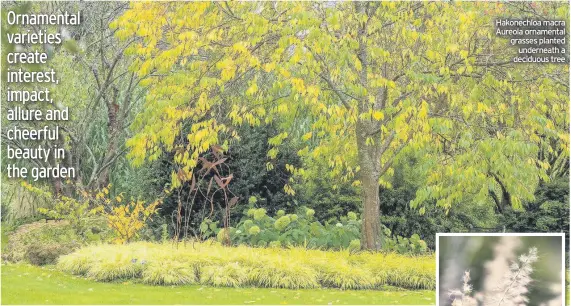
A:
(412, 272)
(227, 275)
(77, 262)
(344, 276)
(169, 273)
(216, 265)
(283, 273)
(117, 265)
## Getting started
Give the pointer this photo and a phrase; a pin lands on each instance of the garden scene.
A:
(279, 152)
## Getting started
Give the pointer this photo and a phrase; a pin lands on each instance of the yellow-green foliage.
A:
(116, 266)
(342, 275)
(169, 273)
(227, 275)
(280, 272)
(78, 262)
(414, 272)
(217, 265)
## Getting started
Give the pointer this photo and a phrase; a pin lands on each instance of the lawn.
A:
(26, 284)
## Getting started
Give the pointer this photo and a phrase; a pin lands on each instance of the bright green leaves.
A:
(278, 139)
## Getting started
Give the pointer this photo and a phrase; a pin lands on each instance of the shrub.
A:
(259, 214)
(213, 264)
(352, 216)
(310, 213)
(254, 230)
(42, 242)
(76, 212)
(258, 229)
(413, 245)
(354, 245)
(48, 253)
(282, 223)
(19, 204)
(208, 228)
(127, 220)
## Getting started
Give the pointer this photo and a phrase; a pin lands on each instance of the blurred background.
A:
(484, 255)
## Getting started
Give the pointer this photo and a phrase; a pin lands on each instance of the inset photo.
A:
(500, 269)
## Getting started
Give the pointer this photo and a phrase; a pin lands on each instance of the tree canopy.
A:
(356, 85)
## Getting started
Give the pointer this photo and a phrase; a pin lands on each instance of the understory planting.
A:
(303, 229)
(211, 263)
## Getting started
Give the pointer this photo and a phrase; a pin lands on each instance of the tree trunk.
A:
(115, 122)
(369, 154)
(370, 164)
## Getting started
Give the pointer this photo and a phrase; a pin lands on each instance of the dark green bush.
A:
(549, 212)
(247, 162)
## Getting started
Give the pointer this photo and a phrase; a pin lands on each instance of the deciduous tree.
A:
(352, 83)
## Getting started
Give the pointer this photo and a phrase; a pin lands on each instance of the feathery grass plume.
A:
(462, 297)
(467, 288)
(510, 291)
(504, 254)
(455, 261)
(513, 288)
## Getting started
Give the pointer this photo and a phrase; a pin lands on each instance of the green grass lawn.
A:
(26, 284)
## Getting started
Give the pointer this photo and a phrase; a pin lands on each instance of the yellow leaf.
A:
(269, 67)
(378, 115)
(285, 73)
(252, 90)
(240, 47)
(452, 48)
(358, 65)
